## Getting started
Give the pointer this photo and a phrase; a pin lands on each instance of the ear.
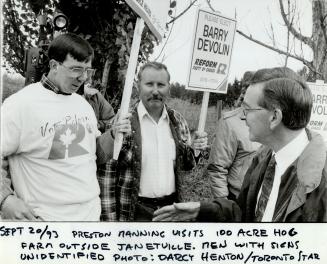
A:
(276, 118)
(53, 65)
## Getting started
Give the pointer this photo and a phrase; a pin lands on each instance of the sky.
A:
(253, 17)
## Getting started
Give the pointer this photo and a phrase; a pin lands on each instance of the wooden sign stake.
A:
(203, 116)
(129, 81)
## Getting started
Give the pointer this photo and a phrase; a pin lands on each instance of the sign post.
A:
(154, 13)
(213, 40)
(129, 81)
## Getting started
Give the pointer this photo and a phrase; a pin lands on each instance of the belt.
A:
(158, 202)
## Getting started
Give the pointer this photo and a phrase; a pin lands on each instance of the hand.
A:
(200, 141)
(122, 124)
(14, 208)
(178, 212)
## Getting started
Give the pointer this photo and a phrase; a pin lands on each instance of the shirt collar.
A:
(141, 110)
(289, 153)
(50, 85)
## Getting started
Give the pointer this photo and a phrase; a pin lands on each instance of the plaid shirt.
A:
(50, 85)
(120, 180)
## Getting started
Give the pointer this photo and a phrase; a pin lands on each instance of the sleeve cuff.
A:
(209, 212)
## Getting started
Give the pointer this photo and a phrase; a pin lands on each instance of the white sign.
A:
(211, 53)
(318, 120)
(153, 243)
(153, 12)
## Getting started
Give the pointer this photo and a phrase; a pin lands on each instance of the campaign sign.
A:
(154, 13)
(318, 120)
(211, 53)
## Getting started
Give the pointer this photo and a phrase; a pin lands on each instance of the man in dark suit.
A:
(287, 180)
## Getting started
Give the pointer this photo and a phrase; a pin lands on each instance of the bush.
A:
(11, 84)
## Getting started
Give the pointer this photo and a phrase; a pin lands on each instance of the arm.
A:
(186, 144)
(11, 206)
(106, 113)
(105, 147)
(222, 155)
(5, 182)
(105, 142)
(220, 210)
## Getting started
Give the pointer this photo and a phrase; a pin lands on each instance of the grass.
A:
(196, 185)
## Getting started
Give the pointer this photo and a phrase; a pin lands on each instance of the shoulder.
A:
(25, 95)
(91, 91)
(79, 99)
(312, 163)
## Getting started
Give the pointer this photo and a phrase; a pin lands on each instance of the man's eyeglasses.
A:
(247, 109)
(79, 71)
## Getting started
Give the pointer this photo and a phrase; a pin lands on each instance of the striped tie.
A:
(266, 187)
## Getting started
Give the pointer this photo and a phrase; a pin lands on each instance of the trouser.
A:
(145, 207)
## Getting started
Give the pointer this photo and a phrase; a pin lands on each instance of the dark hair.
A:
(284, 89)
(71, 44)
(156, 65)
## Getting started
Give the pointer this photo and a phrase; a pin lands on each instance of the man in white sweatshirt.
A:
(50, 137)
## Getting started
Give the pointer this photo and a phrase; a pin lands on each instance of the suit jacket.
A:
(302, 195)
(120, 180)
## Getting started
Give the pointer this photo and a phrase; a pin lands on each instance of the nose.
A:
(155, 89)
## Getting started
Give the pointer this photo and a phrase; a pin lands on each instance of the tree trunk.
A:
(319, 37)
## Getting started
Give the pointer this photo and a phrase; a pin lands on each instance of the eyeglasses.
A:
(246, 110)
(79, 71)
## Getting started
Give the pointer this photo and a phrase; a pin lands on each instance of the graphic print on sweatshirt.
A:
(67, 137)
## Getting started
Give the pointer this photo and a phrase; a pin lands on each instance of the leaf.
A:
(67, 138)
(172, 4)
(119, 42)
(130, 26)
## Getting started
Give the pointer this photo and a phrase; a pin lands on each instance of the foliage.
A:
(178, 90)
(308, 75)
(107, 25)
(19, 32)
(317, 42)
(11, 84)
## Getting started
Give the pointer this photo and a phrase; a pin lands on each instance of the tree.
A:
(317, 42)
(107, 25)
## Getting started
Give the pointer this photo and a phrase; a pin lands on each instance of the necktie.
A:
(266, 187)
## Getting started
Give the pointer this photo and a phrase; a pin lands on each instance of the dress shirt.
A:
(158, 155)
(284, 158)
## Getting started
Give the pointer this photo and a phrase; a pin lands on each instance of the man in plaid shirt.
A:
(147, 175)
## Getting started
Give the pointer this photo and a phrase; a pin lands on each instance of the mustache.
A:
(155, 97)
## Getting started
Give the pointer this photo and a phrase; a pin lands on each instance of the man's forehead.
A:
(73, 62)
(253, 93)
(153, 72)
